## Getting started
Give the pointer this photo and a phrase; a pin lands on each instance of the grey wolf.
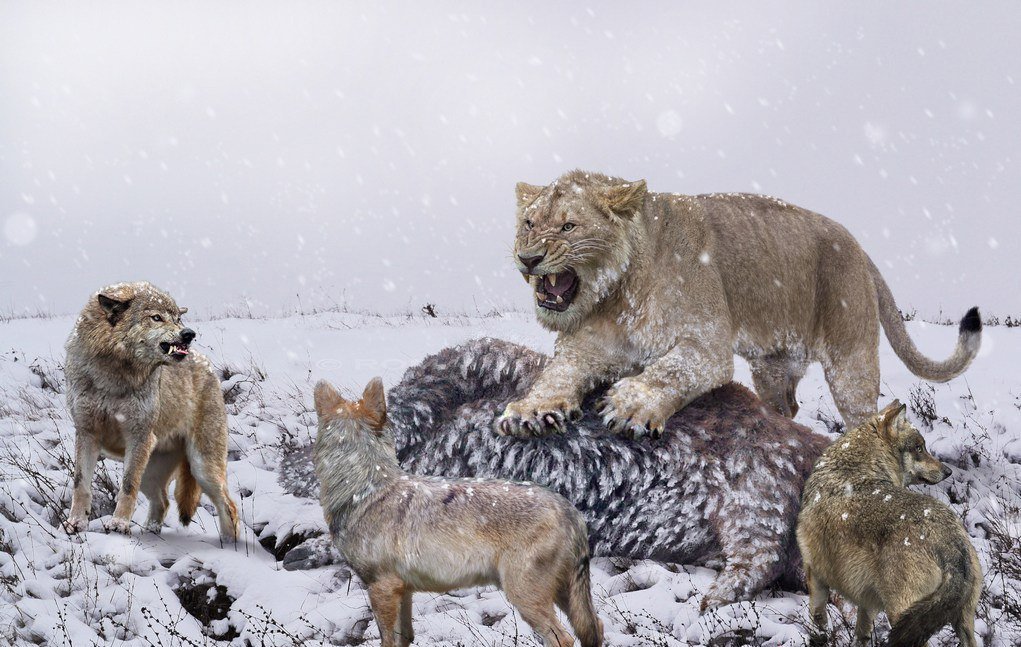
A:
(863, 534)
(721, 489)
(403, 533)
(137, 392)
(654, 293)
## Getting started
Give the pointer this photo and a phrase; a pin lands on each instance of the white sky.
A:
(366, 154)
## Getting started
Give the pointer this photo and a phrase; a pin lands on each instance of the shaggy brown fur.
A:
(138, 394)
(883, 547)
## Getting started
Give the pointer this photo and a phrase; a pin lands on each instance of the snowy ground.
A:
(183, 588)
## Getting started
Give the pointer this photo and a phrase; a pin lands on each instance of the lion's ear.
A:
(622, 199)
(527, 193)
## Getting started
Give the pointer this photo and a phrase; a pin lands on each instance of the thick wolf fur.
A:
(403, 533)
(656, 292)
(863, 534)
(721, 489)
(137, 393)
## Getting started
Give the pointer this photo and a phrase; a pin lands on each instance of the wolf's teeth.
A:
(560, 299)
(541, 295)
(553, 280)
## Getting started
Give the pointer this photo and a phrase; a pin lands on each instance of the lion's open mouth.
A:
(556, 291)
(177, 350)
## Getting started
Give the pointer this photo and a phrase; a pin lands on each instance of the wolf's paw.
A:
(536, 418)
(632, 409)
(153, 526)
(117, 524)
(75, 525)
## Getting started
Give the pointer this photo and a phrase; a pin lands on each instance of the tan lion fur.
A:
(669, 287)
(132, 401)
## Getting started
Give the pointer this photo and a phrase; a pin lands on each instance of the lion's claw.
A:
(625, 411)
(524, 419)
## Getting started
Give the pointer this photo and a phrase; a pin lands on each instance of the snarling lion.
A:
(656, 292)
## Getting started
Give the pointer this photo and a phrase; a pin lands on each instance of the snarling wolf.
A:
(863, 534)
(721, 488)
(138, 393)
(403, 533)
(656, 292)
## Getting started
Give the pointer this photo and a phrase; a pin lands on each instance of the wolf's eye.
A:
(528, 224)
(568, 226)
(157, 318)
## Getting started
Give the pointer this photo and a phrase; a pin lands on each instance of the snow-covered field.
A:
(183, 588)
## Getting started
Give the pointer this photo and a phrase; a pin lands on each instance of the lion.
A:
(137, 392)
(655, 293)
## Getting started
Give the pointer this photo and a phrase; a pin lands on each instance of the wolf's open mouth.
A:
(178, 350)
(556, 291)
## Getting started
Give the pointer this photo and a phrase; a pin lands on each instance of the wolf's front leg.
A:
(86, 453)
(136, 457)
(640, 405)
(555, 396)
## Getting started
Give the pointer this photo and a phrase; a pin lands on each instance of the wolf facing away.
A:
(863, 534)
(654, 293)
(138, 393)
(721, 489)
(402, 533)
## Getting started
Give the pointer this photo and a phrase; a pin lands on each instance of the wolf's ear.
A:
(526, 193)
(326, 398)
(182, 311)
(113, 306)
(622, 199)
(374, 403)
(890, 416)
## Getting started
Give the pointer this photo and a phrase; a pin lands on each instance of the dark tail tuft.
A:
(971, 322)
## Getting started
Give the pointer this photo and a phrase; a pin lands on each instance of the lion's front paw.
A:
(535, 418)
(632, 409)
(117, 524)
(75, 525)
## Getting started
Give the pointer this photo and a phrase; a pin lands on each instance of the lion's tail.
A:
(968, 340)
(186, 493)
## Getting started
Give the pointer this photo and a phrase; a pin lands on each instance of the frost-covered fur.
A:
(654, 293)
(863, 534)
(138, 394)
(721, 488)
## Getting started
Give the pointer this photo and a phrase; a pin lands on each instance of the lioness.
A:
(138, 393)
(657, 291)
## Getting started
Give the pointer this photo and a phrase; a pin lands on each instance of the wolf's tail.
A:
(968, 339)
(928, 615)
(186, 493)
(581, 612)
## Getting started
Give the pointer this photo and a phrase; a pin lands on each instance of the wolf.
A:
(863, 534)
(403, 533)
(655, 293)
(721, 489)
(137, 392)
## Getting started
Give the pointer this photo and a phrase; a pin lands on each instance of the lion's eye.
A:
(529, 224)
(568, 226)
(157, 318)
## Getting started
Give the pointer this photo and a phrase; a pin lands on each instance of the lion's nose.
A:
(187, 335)
(531, 261)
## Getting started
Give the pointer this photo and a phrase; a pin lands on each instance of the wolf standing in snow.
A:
(137, 393)
(882, 546)
(403, 533)
(654, 294)
(722, 489)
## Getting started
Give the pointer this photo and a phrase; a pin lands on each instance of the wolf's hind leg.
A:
(863, 625)
(158, 472)
(818, 598)
(531, 591)
(211, 476)
(405, 632)
(86, 453)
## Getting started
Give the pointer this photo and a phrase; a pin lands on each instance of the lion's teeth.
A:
(560, 299)
(553, 280)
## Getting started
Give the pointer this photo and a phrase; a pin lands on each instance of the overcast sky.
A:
(366, 154)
